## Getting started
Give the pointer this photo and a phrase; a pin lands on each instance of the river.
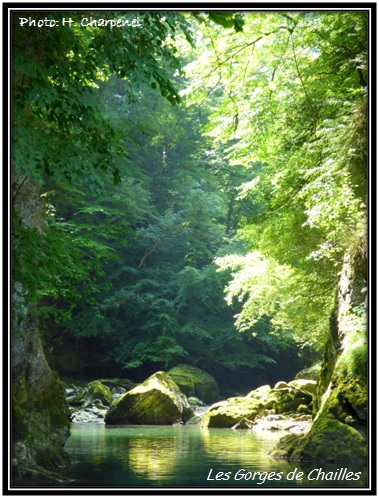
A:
(187, 456)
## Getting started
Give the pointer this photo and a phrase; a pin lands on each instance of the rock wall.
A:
(40, 423)
(339, 428)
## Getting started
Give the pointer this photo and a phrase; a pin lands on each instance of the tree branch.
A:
(147, 254)
(310, 104)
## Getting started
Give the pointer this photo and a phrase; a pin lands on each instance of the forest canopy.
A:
(184, 190)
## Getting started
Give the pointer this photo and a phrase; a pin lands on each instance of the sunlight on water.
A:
(181, 456)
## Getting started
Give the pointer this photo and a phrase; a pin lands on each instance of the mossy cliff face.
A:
(40, 424)
(339, 428)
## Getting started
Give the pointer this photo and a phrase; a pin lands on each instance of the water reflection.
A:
(233, 446)
(152, 458)
(149, 452)
(178, 456)
(93, 444)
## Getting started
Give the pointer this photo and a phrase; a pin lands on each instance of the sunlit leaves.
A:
(266, 288)
(255, 283)
(289, 93)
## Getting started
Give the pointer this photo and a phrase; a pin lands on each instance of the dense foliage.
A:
(139, 202)
(291, 94)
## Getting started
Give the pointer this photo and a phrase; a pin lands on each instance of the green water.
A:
(186, 456)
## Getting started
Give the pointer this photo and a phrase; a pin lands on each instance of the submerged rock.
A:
(194, 382)
(244, 424)
(157, 401)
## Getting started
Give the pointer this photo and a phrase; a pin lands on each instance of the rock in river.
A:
(229, 413)
(193, 381)
(157, 401)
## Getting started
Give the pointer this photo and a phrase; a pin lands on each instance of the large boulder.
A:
(193, 381)
(157, 401)
(231, 412)
(260, 393)
(285, 397)
(307, 385)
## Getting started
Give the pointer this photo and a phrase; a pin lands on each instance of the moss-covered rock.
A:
(193, 381)
(338, 431)
(306, 385)
(283, 398)
(157, 401)
(260, 393)
(291, 404)
(90, 402)
(328, 440)
(95, 390)
(286, 446)
(310, 373)
(303, 409)
(281, 385)
(229, 413)
(116, 382)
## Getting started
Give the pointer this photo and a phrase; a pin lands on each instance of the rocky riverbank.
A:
(159, 401)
